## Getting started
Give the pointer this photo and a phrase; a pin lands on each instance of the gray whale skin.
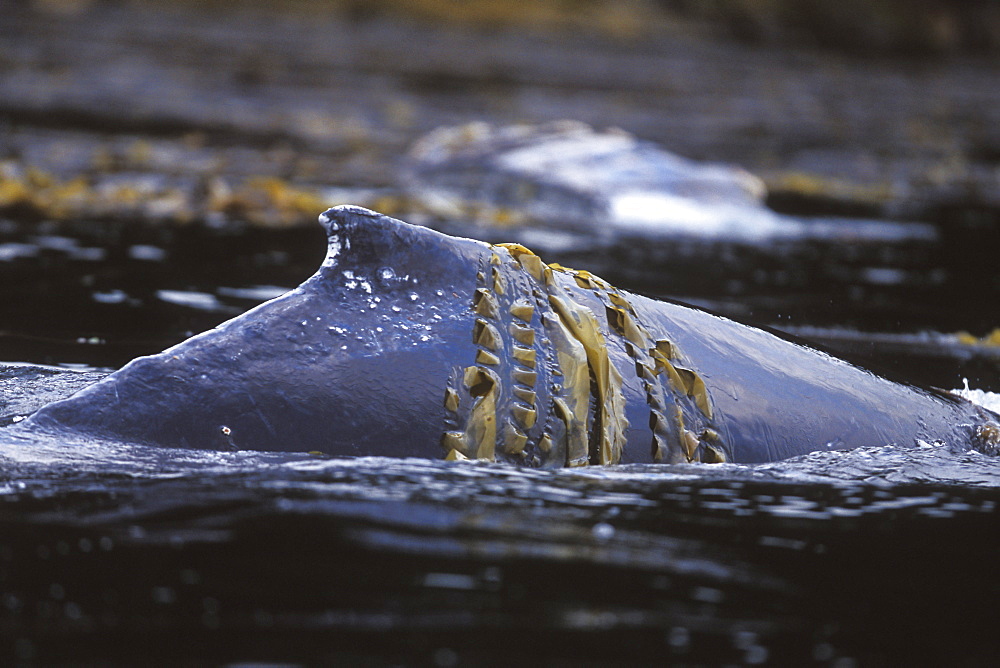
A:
(408, 342)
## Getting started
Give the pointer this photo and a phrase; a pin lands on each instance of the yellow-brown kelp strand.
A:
(490, 405)
(583, 372)
(666, 444)
(685, 399)
(610, 409)
(471, 400)
(530, 366)
(541, 331)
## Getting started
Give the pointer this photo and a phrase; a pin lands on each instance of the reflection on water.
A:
(790, 562)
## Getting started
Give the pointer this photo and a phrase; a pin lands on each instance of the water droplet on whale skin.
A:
(387, 276)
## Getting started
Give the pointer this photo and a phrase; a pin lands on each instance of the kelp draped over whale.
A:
(408, 342)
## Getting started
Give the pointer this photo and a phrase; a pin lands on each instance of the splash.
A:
(989, 400)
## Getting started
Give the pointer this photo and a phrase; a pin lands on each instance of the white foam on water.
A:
(990, 400)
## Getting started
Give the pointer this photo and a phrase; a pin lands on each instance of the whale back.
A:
(409, 342)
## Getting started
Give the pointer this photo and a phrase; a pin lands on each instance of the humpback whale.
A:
(409, 342)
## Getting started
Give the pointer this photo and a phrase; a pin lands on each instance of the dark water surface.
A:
(175, 556)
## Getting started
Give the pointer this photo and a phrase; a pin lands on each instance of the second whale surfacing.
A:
(408, 342)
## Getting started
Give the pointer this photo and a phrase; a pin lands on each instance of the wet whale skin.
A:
(408, 342)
